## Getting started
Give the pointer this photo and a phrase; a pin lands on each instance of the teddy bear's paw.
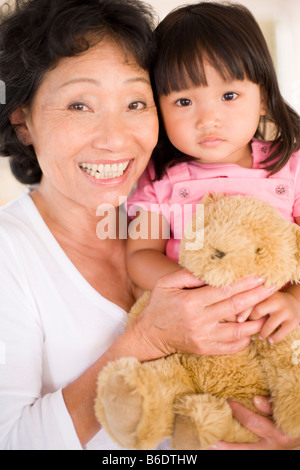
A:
(134, 405)
(284, 380)
(287, 416)
(200, 422)
(119, 404)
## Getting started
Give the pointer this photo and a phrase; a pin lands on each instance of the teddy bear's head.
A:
(240, 236)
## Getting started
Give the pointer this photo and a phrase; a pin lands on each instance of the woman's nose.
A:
(111, 134)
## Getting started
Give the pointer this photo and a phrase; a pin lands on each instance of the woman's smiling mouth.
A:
(105, 171)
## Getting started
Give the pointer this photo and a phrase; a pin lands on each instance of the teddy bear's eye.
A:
(218, 254)
(258, 251)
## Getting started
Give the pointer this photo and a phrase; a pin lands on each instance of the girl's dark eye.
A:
(230, 96)
(183, 102)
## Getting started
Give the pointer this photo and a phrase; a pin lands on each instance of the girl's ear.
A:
(263, 102)
(18, 120)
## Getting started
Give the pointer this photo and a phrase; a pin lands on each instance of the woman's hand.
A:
(183, 315)
(271, 438)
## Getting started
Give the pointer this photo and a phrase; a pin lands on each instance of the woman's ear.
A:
(18, 120)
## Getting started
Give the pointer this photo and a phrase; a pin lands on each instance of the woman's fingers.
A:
(264, 428)
(261, 426)
(235, 298)
(184, 315)
(240, 301)
(263, 404)
(182, 279)
(217, 349)
(222, 445)
(228, 332)
(214, 295)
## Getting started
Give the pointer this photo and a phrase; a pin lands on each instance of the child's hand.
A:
(283, 310)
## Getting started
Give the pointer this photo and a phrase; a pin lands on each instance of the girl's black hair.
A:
(228, 36)
(38, 33)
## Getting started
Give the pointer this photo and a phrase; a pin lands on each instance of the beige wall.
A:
(280, 21)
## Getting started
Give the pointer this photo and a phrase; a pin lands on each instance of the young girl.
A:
(225, 128)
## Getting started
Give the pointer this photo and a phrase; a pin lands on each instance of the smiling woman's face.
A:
(93, 125)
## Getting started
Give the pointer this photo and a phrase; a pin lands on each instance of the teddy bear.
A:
(184, 397)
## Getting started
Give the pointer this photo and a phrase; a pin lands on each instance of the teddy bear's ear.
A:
(193, 236)
(296, 228)
(210, 198)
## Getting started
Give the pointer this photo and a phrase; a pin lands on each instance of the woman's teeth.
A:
(104, 171)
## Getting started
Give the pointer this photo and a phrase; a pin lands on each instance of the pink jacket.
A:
(184, 185)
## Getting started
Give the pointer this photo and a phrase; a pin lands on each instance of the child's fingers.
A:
(244, 315)
(285, 329)
(264, 308)
(283, 316)
(275, 321)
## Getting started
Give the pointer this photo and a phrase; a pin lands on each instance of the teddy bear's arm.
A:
(283, 378)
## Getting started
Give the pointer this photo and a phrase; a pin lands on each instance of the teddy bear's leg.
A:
(135, 401)
(281, 363)
(203, 420)
(286, 402)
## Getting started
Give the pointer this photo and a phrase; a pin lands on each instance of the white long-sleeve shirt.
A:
(53, 326)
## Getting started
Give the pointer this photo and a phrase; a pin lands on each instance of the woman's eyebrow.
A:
(137, 79)
(98, 83)
(81, 79)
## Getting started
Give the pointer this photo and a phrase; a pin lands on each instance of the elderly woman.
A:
(80, 124)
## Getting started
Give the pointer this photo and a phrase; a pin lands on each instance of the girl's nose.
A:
(208, 118)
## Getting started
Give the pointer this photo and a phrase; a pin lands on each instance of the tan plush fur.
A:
(185, 396)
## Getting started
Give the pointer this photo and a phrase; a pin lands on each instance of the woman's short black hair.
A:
(38, 33)
(228, 36)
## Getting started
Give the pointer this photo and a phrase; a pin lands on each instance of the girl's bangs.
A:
(184, 67)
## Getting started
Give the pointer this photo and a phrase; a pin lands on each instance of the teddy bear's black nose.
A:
(219, 254)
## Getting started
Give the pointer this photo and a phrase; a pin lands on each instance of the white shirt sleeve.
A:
(27, 420)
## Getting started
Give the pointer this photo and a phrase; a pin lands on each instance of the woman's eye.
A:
(230, 96)
(78, 107)
(183, 102)
(137, 106)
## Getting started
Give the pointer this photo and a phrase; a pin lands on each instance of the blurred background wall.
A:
(280, 22)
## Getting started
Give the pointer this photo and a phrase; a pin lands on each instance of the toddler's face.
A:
(214, 123)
